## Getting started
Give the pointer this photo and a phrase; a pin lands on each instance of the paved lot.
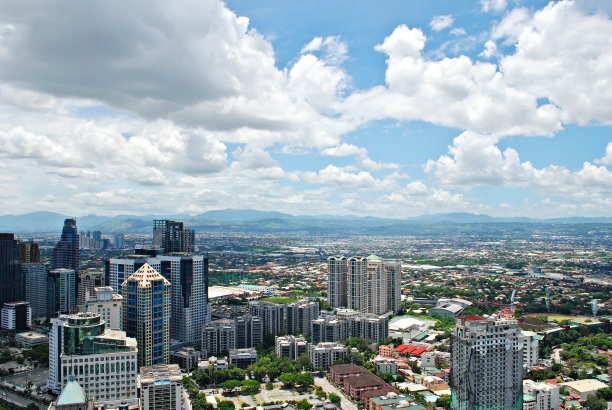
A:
(38, 377)
(18, 400)
(270, 396)
(330, 388)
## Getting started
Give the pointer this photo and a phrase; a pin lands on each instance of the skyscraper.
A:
(36, 288)
(190, 310)
(365, 284)
(11, 278)
(146, 314)
(300, 315)
(66, 279)
(337, 281)
(66, 252)
(172, 237)
(486, 364)
(117, 270)
(29, 252)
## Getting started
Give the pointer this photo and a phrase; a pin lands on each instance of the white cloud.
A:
(439, 23)
(606, 159)
(493, 5)
(475, 159)
(458, 31)
(344, 150)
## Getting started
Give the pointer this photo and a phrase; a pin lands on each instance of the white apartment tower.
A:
(364, 284)
(336, 281)
(486, 365)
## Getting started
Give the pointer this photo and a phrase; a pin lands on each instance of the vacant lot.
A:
(559, 318)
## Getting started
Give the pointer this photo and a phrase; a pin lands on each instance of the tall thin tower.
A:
(336, 281)
(66, 252)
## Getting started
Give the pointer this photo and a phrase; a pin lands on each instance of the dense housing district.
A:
(506, 319)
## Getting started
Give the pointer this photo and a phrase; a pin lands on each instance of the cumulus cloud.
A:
(439, 23)
(606, 159)
(475, 159)
(493, 5)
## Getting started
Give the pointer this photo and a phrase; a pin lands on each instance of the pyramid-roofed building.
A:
(145, 275)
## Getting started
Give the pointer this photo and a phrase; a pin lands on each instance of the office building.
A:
(323, 355)
(243, 358)
(28, 340)
(545, 395)
(117, 270)
(118, 241)
(108, 305)
(172, 237)
(35, 276)
(29, 252)
(290, 346)
(190, 309)
(86, 282)
(300, 315)
(364, 284)
(337, 281)
(66, 252)
(249, 331)
(161, 387)
(66, 282)
(102, 361)
(146, 314)
(219, 337)
(272, 317)
(186, 357)
(16, 316)
(52, 293)
(486, 364)
(11, 278)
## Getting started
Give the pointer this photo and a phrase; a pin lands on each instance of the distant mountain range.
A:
(250, 220)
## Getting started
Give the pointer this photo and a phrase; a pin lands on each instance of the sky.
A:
(391, 109)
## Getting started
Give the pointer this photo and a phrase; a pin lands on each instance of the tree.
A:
(226, 405)
(593, 403)
(288, 379)
(269, 386)
(231, 385)
(605, 393)
(250, 386)
(303, 405)
(444, 401)
(304, 379)
(334, 398)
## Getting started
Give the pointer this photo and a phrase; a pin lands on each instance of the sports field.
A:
(559, 318)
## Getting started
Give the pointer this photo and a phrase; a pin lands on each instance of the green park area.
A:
(279, 300)
(560, 318)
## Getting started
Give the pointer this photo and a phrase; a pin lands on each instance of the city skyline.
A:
(495, 107)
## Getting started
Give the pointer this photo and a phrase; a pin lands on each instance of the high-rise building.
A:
(290, 346)
(349, 323)
(219, 337)
(161, 387)
(300, 315)
(66, 279)
(117, 270)
(329, 329)
(36, 288)
(172, 237)
(11, 278)
(108, 305)
(103, 361)
(16, 316)
(357, 284)
(249, 331)
(323, 355)
(29, 252)
(337, 281)
(118, 241)
(87, 281)
(365, 284)
(146, 314)
(190, 310)
(272, 316)
(52, 293)
(486, 364)
(66, 252)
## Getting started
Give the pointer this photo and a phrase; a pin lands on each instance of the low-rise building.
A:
(356, 386)
(583, 388)
(30, 339)
(434, 383)
(546, 395)
(243, 358)
(186, 357)
(386, 366)
(339, 372)
(393, 400)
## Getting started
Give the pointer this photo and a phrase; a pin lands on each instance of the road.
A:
(327, 387)
(19, 400)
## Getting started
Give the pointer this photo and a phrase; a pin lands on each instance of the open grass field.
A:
(558, 317)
